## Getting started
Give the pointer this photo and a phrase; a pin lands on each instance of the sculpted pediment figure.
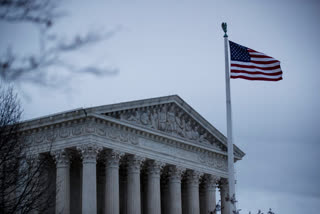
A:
(169, 119)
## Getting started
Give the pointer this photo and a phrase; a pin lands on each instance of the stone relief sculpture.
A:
(144, 118)
(180, 124)
(154, 118)
(188, 133)
(134, 116)
(195, 132)
(203, 138)
(163, 118)
(170, 119)
(218, 162)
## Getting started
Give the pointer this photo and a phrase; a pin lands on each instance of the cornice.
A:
(54, 119)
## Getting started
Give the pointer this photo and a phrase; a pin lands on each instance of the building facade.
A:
(153, 156)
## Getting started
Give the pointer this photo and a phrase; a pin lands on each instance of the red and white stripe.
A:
(261, 67)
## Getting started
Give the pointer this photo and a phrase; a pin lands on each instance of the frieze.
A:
(65, 132)
(124, 136)
(51, 136)
(114, 133)
(101, 131)
(28, 139)
(213, 160)
(39, 138)
(77, 130)
(169, 119)
(90, 128)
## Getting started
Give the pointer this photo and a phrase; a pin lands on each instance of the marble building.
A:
(153, 156)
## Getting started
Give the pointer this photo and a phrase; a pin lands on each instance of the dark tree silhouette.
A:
(35, 68)
(22, 187)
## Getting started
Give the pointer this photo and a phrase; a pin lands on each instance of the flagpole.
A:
(231, 180)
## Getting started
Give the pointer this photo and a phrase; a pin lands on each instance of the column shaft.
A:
(209, 193)
(224, 190)
(192, 179)
(174, 184)
(62, 182)
(133, 188)
(164, 195)
(123, 191)
(153, 189)
(210, 200)
(112, 183)
(89, 188)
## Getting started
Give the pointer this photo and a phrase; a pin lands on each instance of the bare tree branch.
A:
(40, 12)
(23, 188)
(35, 68)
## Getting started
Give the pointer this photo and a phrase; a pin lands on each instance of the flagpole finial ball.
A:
(224, 28)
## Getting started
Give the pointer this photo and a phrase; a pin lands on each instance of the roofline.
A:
(131, 105)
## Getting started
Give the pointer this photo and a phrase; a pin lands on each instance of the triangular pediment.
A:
(169, 119)
(171, 116)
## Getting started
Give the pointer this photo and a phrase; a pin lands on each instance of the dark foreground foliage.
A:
(23, 188)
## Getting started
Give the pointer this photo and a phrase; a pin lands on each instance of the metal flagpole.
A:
(231, 180)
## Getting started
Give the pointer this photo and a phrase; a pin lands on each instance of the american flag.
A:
(253, 65)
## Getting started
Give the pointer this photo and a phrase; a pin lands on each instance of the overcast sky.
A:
(176, 47)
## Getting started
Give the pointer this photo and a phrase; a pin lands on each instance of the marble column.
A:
(123, 188)
(62, 182)
(224, 193)
(174, 184)
(112, 159)
(192, 182)
(89, 178)
(133, 186)
(153, 189)
(39, 179)
(143, 190)
(164, 192)
(208, 189)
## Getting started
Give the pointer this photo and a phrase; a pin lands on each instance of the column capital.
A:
(61, 157)
(175, 173)
(89, 152)
(223, 183)
(112, 158)
(134, 163)
(192, 177)
(33, 159)
(154, 167)
(209, 181)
